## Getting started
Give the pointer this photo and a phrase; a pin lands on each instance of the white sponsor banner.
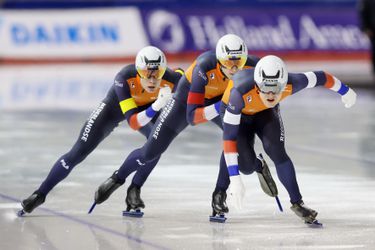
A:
(71, 33)
(57, 86)
(75, 87)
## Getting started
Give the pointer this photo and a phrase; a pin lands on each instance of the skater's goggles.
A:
(230, 61)
(274, 87)
(154, 72)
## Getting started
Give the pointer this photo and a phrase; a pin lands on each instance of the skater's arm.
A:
(129, 108)
(196, 111)
(140, 119)
(320, 78)
(231, 122)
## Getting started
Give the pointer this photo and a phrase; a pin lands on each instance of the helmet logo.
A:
(233, 52)
(270, 80)
(270, 77)
(152, 64)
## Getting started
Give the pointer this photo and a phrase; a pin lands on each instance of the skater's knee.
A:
(246, 171)
(75, 156)
(149, 155)
(284, 162)
(277, 154)
(269, 149)
(246, 164)
(279, 158)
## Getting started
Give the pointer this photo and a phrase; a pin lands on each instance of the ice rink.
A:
(333, 149)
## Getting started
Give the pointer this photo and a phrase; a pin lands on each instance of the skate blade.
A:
(134, 213)
(279, 203)
(314, 224)
(21, 213)
(218, 218)
(92, 208)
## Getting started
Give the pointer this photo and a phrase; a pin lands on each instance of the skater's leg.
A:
(146, 130)
(169, 124)
(95, 129)
(271, 132)
(117, 179)
(131, 164)
(218, 200)
(247, 161)
(222, 182)
(287, 176)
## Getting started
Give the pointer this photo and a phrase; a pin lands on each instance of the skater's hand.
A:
(164, 94)
(236, 191)
(349, 98)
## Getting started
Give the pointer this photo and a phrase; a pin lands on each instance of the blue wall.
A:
(14, 4)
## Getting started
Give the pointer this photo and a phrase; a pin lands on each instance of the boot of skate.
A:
(305, 213)
(33, 201)
(107, 188)
(219, 205)
(265, 178)
(133, 198)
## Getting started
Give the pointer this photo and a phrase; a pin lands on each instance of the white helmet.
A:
(270, 74)
(151, 61)
(231, 51)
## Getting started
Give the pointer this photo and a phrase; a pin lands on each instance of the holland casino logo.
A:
(166, 30)
(60, 34)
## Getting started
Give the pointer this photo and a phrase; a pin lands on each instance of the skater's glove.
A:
(236, 191)
(349, 98)
(164, 95)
